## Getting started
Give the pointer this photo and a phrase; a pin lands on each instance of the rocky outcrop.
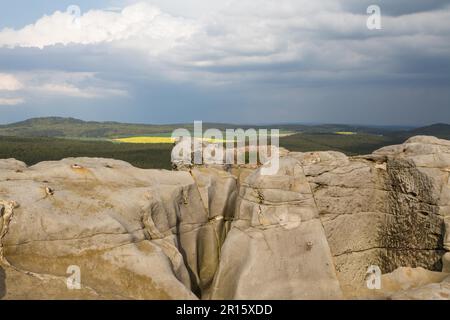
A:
(385, 209)
(311, 231)
(108, 218)
(414, 284)
(276, 241)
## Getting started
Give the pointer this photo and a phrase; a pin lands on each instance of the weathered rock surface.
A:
(446, 257)
(385, 209)
(119, 224)
(276, 241)
(228, 232)
(415, 284)
(433, 291)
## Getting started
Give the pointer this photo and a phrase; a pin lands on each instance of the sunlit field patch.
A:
(164, 138)
(161, 140)
(346, 133)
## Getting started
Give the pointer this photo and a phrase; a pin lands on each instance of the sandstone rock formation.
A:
(108, 218)
(417, 284)
(228, 232)
(276, 241)
(385, 209)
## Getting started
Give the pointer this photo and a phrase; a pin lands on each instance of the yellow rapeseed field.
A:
(146, 140)
(169, 140)
(163, 140)
(345, 133)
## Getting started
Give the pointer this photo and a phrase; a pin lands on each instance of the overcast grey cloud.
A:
(397, 7)
(237, 61)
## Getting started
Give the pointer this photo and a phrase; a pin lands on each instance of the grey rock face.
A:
(385, 209)
(218, 232)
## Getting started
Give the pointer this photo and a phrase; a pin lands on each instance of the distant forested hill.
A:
(440, 130)
(57, 127)
(74, 128)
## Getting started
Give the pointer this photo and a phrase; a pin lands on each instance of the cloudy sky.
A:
(241, 61)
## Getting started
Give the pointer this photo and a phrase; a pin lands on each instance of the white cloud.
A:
(57, 83)
(11, 101)
(139, 21)
(9, 82)
(191, 8)
(70, 90)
